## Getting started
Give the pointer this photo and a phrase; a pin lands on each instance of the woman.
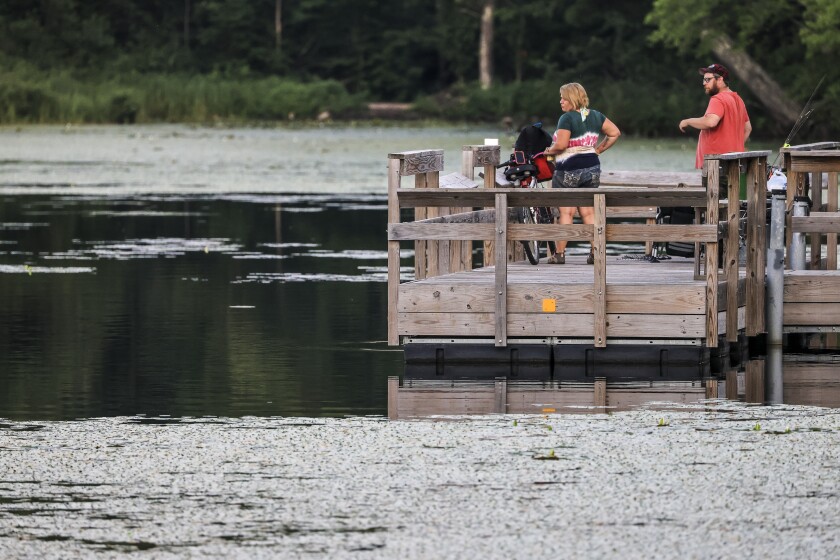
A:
(576, 150)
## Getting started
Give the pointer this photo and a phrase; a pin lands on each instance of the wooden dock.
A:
(471, 285)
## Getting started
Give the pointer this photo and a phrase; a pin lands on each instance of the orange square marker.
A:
(549, 305)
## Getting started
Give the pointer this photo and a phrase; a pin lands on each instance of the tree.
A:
(485, 45)
(699, 26)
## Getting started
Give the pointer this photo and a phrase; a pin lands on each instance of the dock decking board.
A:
(643, 300)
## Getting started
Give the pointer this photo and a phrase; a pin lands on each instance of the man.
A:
(726, 124)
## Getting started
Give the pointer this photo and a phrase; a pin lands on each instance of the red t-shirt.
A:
(728, 135)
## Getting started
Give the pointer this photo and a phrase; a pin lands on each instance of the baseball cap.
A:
(716, 68)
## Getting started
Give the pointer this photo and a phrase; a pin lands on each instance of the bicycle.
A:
(528, 171)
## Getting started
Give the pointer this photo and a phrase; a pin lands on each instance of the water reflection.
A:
(464, 389)
(261, 305)
(235, 306)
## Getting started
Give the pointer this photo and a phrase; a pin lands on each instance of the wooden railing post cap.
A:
(410, 153)
(737, 155)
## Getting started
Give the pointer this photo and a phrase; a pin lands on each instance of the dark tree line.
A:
(638, 55)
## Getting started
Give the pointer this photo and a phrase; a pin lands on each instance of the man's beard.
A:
(713, 90)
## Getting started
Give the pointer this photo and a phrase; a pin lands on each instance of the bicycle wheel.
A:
(532, 248)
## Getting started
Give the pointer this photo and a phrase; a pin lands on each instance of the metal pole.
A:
(776, 269)
(774, 378)
(797, 245)
(773, 381)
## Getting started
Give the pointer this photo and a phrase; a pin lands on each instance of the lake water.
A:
(188, 271)
(202, 299)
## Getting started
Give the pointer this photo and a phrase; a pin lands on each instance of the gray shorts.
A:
(588, 177)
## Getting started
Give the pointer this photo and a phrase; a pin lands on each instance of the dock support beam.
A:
(501, 270)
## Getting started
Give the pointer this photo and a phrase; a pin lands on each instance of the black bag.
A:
(532, 140)
(677, 215)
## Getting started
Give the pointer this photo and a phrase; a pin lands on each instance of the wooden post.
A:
(733, 210)
(599, 244)
(754, 382)
(756, 243)
(393, 397)
(421, 262)
(599, 394)
(711, 388)
(712, 189)
(831, 238)
(831, 244)
(442, 247)
(393, 252)
(488, 157)
(732, 385)
(501, 395)
(501, 271)
(816, 206)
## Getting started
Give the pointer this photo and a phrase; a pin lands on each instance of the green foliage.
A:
(820, 30)
(27, 95)
(141, 61)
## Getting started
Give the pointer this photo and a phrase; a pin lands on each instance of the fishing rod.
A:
(803, 116)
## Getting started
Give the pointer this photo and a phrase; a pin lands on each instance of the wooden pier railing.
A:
(435, 233)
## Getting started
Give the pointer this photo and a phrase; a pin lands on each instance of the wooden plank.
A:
(567, 325)
(814, 146)
(456, 180)
(831, 238)
(500, 319)
(599, 249)
(650, 178)
(393, 252)
(712, 172)
(732, 384)
(579, 232)
(599, 394)
(414, 162)
(736, 156)
(500, 394)
(572, 232)
(567, 298)
(756, 244)
(816, 222)
(704, 233)
(754, 380)
(815, 161)
(437, 231)
(393, 397)
(711, 388)
(616, 197)
(811, 314)
(811, 286)
(731, 274)
(632, 212)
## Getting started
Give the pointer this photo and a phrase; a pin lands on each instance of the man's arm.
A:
(747, 130)
(707, 121)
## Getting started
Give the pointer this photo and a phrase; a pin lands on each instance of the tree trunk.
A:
(278, 24)
(485, 47)
(757, 80)
(187, 24)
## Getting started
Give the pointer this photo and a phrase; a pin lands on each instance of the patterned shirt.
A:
(584, 127)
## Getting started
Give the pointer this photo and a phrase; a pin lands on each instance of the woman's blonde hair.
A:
(575, 94)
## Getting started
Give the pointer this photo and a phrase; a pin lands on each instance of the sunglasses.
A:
(707, 80)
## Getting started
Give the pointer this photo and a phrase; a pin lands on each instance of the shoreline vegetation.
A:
(30, 97)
